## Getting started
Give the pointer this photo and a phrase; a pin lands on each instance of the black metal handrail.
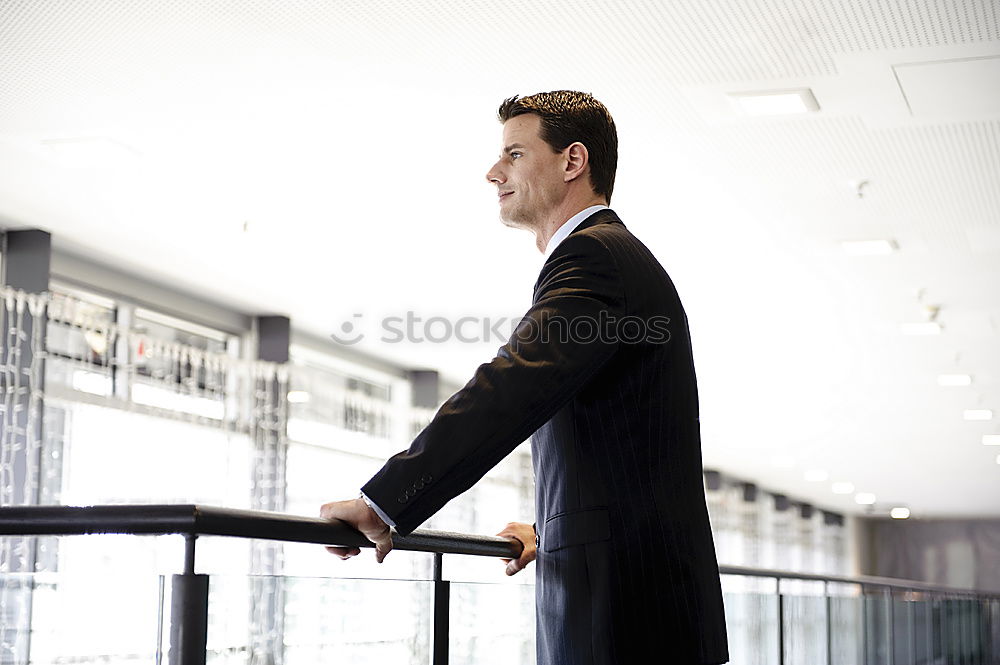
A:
(863, 580)
(196, 520)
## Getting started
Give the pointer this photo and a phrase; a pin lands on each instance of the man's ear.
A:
(577, 160)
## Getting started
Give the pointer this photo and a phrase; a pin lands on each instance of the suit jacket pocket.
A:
(576, 527)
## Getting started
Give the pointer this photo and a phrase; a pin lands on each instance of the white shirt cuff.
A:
(378, 511)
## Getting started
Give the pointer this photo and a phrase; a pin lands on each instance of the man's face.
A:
(528, 175)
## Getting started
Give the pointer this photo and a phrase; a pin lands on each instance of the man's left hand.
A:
(358, 514)
(525, 534)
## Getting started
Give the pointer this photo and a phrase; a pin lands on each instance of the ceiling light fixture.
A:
(949, 380)
(991, 439)
(977, 414)
(927, 328)
(775, 102)
(899, 513)
(843, 488)
(928, 325)
(816, 475)
(864, 498)
(868, 247)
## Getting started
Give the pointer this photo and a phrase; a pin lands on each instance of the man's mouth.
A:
(502, 195)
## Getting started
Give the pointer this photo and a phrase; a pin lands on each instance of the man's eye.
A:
(515, 155)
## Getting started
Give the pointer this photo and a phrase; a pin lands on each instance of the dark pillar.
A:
(25, 268)
(426, 387)
(26, 261)
(272, 338)
(425, 391)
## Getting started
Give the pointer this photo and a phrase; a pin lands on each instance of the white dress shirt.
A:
(569, 226)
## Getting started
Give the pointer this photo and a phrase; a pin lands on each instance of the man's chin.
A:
(514, 223)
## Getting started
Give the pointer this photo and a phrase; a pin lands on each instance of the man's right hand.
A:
(525, 534)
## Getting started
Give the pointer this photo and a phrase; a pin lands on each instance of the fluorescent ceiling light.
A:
(977, 414)
(816, 475)
(864, 498)
(298, 396)
(955, 380)
(868, 247)
(775, 102)
(843, 488)
(899, 513)
(92, 152)
(991, 439)
(927, 328)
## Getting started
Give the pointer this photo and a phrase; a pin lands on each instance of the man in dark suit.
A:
(599, 374)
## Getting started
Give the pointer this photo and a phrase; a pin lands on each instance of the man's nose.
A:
(494, 175)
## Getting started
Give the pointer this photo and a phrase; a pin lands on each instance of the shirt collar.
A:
(569, 226)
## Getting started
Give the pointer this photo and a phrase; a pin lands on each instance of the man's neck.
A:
(544, 233)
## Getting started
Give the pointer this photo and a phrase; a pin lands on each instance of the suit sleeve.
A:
(558, 346)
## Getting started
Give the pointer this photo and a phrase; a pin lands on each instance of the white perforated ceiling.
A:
(351, 139)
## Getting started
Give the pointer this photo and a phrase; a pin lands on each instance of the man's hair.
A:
(569, 116)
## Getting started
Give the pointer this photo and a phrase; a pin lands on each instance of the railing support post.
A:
(188, 612)
(890, 629)
(781, 625)
(911, 626)
(442, 615)
(864, 626)
(829, 623)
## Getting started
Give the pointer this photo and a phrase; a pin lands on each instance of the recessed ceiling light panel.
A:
(868, 247)
(775, 102)
(925, 328)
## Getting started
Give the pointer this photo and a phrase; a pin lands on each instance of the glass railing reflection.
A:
(492, 624)
(55, 619)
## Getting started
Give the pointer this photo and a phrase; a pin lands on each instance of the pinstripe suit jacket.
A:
(599, 373)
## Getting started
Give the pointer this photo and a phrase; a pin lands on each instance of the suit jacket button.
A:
(418, 485)
(427, 478)
(402, 499)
